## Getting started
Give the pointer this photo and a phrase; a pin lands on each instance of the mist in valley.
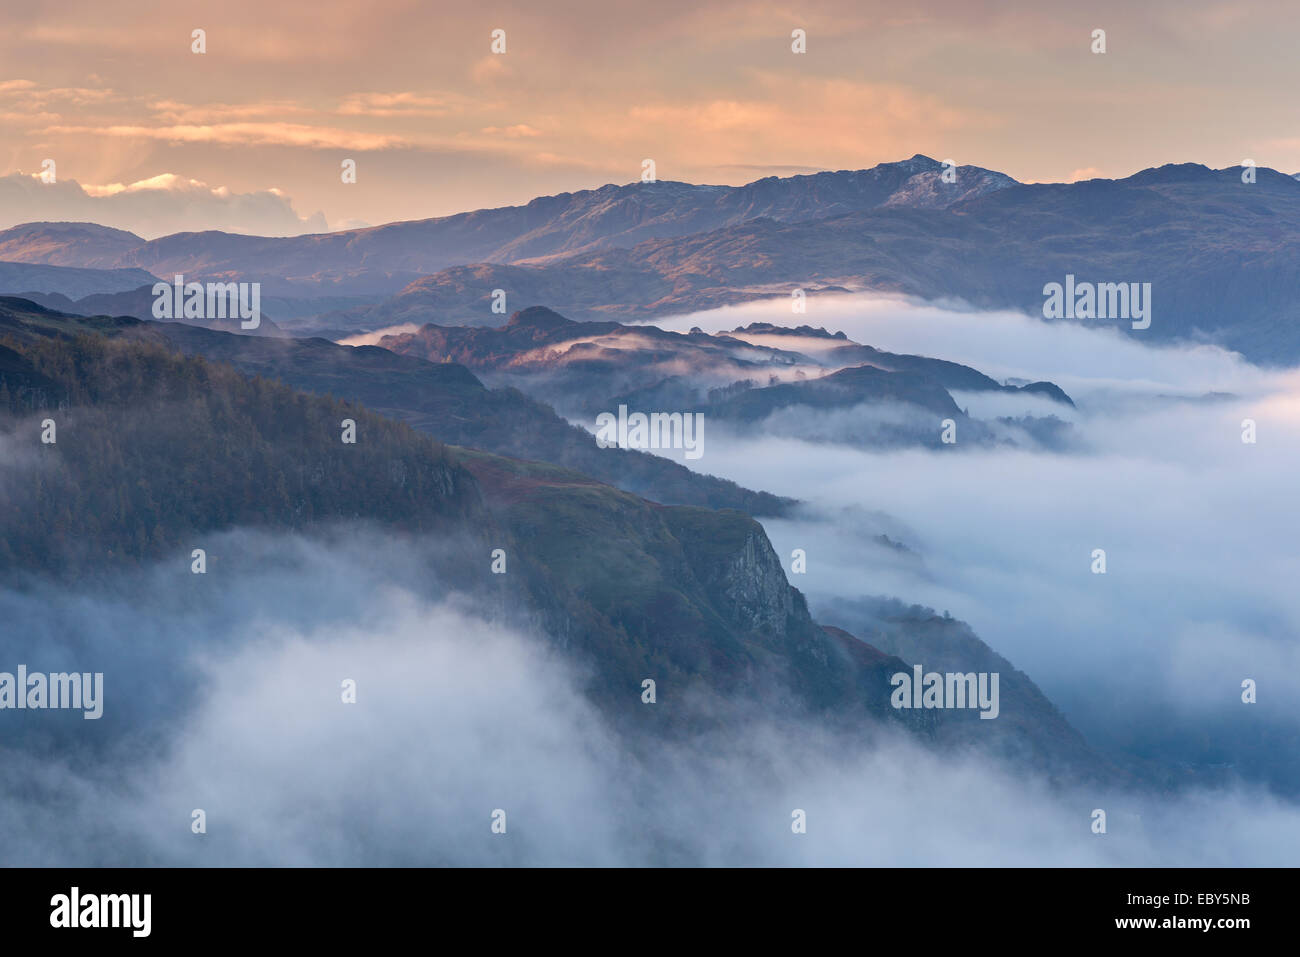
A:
(223, 693)
(1148, 658)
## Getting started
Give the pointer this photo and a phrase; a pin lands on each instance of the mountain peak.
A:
(1174, 173)
(767, 328)
(539, 317)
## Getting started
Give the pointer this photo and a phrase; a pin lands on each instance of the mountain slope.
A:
(156, 449)
(18, 278)
(443, 399)
(85, 245)
(152, 449)
(944, 644)
(139, 303)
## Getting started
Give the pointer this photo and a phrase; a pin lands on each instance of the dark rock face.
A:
(745, 575)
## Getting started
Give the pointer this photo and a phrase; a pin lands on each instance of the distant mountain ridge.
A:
(1222, 258)
(384, 258)
(137, 303)
(741, 376)
(71, 282)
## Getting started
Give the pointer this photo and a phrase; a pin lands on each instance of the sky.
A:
(251, 135)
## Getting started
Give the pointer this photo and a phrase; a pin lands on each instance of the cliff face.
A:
(826, 671)
(731, 556)
(694, 598)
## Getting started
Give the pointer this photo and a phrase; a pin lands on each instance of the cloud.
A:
(174, 112)
(156, 206)
(1004, 344)
(804, 113)
(400, 104)
(262, 134)
(490, 69)
(372, 338)
(514, 132)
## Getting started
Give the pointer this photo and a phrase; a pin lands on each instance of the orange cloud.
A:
(277, 134)
(514, 132)
(400, 104)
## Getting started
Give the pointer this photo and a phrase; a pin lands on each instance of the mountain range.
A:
(443, 399)
(1222, 256)
(740, 378)
(630, 562)
(383, 258)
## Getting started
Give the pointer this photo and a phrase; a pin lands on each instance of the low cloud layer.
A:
(1081, 355)
(223, 693)
(1146, 659)
(153, 207)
